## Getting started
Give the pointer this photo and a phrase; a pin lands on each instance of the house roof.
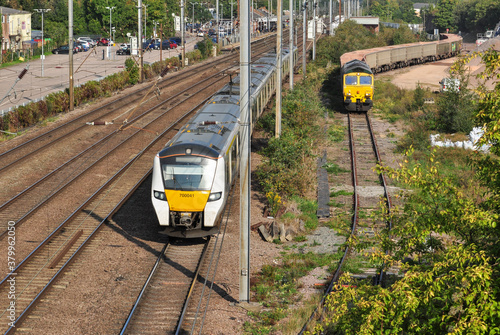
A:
(7, 10)
(420, 5)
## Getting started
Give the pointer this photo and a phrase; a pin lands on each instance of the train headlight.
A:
(368, 94)
(160, 195)
(215, 196)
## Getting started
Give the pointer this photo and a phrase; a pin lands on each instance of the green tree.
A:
(445, 17)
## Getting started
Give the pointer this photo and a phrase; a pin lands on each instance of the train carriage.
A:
(193, 174)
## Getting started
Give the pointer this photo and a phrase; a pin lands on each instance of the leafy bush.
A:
(287, 157)
(456, 112)
(133, 71)
(205, 47)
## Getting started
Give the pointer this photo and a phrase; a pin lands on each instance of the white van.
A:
(449, 84)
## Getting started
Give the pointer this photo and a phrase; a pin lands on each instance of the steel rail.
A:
(178, 328)
(386, 191)
(144, 287)
(228, 212)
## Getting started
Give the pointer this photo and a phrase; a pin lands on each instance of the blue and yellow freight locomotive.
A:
(193, 174)
(357, 86)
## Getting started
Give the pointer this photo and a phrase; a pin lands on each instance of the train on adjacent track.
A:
(358, 67)
(193, 173)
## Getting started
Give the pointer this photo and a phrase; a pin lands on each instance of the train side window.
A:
(351, 80)
(365, 80)
(228, 171)
(234, 157)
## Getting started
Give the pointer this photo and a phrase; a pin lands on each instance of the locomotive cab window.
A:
(188, 173)
(351, 80)
(365, 80)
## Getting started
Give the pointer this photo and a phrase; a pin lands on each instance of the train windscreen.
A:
(188, 173)
(351, 80)
(365, 80)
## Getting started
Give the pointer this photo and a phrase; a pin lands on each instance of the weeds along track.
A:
(369, 188)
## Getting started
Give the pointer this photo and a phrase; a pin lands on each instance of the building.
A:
(369, 22)
(16, 28)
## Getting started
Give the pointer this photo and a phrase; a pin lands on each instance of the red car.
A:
(102, 41)
(167, 44)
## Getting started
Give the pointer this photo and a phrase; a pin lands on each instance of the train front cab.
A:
(188, 193)
(358, 91)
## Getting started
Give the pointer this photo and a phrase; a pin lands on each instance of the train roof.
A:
(361, 54)
(260, 70)
(356, 66)
(211, 127)
(215, 124)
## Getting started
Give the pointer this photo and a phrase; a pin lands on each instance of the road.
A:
(86, 66)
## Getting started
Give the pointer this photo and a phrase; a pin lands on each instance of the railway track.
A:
(368, 188)
(165, 296)
(175, 297)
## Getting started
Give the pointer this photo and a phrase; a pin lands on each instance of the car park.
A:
(63, 49)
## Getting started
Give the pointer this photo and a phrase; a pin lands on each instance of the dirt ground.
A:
(429, 75)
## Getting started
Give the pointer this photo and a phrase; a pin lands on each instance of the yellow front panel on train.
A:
(187, 201)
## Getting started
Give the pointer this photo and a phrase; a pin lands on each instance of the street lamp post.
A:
(43, 10)
(110, 31)
(192, 24)
(110, 9)
(145, 21)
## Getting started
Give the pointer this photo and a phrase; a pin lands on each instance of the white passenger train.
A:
(193, 174)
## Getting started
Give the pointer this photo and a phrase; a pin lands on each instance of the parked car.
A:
(123, 51)
(176, 40)
(91, 43)
(153, 44)
(85, 44)
(102, 41)
(200, 34)
(81, 46)
(449, 84)
(168, 44)
(63, 49)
